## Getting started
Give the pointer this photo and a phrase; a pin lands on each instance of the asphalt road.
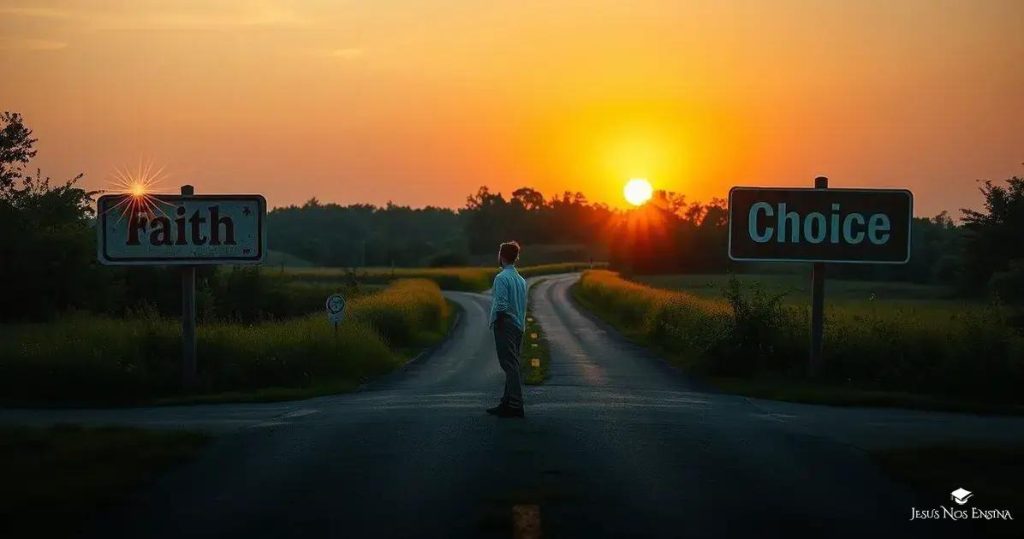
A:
(615, 444)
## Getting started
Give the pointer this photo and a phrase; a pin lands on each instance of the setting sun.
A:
(137, 189)
(637, 191)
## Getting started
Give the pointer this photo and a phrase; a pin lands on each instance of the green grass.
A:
(876, 351)
(317, 388)
(55, 479)
(472, 279)
(993, 474)
(535, 347)
(85, 359)
(276, 258)
(797, 288)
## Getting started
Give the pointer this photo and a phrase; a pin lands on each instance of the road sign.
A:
(869, 226)
(181, 229)
(335, 308)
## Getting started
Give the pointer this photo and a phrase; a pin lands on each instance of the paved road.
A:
(615, 444)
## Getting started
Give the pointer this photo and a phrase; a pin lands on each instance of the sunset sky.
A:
(422, 102)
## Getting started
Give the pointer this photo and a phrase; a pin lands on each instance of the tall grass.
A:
(972, 352)
(472, 279)
(88, 358)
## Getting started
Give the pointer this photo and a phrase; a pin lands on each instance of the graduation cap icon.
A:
(960, 496)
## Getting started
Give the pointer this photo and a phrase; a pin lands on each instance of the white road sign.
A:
(335, 308)
(181, 229)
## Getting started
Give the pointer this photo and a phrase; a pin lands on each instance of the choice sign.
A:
(181, 229)
(820, 225)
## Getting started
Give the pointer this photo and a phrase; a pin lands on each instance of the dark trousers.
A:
(508, 340)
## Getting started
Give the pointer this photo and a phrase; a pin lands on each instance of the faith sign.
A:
(181, 229)
(867, 226)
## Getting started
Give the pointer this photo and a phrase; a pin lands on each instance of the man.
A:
(508, 320)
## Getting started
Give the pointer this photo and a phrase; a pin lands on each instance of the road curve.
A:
(615, 444)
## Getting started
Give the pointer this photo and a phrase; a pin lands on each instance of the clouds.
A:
(30, 44)
(226, 16)
(36, 12)
(253, 18)
(63, 25)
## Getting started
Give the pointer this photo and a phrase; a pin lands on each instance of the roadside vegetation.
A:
(757, 342)
(88, 358)
(56, 478)
(536, 356)
(470, 279)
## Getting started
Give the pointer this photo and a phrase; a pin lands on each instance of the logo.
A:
(960, 496)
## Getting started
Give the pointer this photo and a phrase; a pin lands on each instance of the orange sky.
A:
(421, 102)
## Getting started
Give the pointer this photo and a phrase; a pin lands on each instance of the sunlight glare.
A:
(139, 186)
(638, 191)
(138, 189)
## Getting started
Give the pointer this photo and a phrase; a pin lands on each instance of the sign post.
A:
(181, 230)
(335, 310)
(817, 303)
(188, 317)
(819, 225)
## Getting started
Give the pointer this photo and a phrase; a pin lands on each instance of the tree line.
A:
(48, 263)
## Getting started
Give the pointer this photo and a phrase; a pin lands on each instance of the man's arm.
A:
(499, 298)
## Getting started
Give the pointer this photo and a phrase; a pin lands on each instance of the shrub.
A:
(403, 311)
(971, 352)
(89, 358)
(1008, 286)
(472, 279)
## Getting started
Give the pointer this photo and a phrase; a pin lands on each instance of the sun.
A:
(638, 191)
(137, 189)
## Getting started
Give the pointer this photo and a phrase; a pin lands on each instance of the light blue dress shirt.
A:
(509, 296)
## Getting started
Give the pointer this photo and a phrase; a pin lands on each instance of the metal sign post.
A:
(335, 311)
(189, 377)
(817, 303)
(820, 225)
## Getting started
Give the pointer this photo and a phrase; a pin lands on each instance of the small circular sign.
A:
(335, 308)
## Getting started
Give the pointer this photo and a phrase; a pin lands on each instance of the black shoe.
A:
(506, 411)
(496, 410)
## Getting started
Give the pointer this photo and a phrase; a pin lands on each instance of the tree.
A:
(47, 259)
(992, 237)
(530, 199)
(15, 150)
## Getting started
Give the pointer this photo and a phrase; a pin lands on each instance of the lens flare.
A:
(137, 187)
(138, 190)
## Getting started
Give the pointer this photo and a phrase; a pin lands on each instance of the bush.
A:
(471, 279)
(966, 352)
(403, 311)
(448, 259)
(1008, 286)
(88, 358)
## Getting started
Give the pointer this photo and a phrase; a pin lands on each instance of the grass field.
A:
(91, 359)
(797, 288)
(472, 279)
(55, 478)
(947, 350)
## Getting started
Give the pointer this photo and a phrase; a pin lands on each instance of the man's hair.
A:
(509, 251)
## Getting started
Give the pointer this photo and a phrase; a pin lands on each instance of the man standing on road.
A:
(508, 320)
